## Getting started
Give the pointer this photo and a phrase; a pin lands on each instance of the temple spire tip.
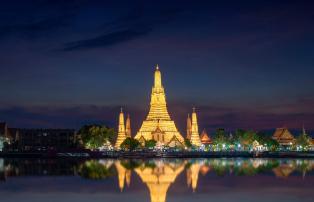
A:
(157, 67)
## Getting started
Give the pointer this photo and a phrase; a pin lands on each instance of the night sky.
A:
(242, 64)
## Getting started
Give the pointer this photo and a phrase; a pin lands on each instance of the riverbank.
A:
(154, 154)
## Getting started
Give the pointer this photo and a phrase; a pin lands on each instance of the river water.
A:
(156, 180)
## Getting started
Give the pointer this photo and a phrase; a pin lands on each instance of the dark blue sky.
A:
(243, 64)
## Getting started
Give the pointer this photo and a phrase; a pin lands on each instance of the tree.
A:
(249, 137)
(265, 139)
(130, 144)
(94, 136)
(220, 138)
(303, 140)
(245, 138)
(272, 144)
(150, 143)
(187, 143)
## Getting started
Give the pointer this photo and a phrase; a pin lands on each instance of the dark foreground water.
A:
(217, 180)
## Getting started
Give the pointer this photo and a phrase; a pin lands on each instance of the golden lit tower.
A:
(188, 127)
(158, 124)
(128, 126)
(158, 107)
(195, 137)
(121, 131)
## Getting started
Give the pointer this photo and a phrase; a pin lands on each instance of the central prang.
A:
(158, 125)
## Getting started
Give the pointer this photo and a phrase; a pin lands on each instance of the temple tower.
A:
(158, 107)
(121, 131)
(188, 127)
(128, 126)
(159, 118)
(195, 137)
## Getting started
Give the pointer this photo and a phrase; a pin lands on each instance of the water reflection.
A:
(159, 174)
(96, 170)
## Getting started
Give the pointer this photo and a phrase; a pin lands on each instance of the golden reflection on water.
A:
(158, 174)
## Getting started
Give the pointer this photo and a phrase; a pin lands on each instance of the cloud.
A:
(34, 29)
(106, 40)
(35, 19)
(132, 25)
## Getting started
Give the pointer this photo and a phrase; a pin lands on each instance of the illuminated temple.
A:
(158, 125)
(121, 131)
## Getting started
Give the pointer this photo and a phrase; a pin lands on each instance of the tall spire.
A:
(121, 130)
(158, 106)
(157, 83)
(158, 117)
(188, 127)
(128, 126)
(195, 137)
